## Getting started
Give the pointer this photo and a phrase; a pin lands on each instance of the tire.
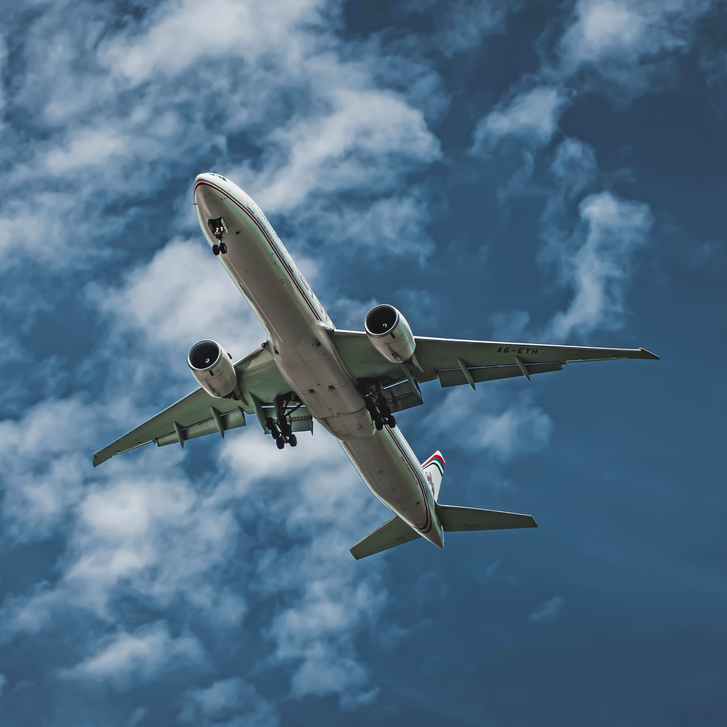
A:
(223, 248)
(280, 442)
(293, 440)
(391, 421)
(216, 249)
(379, 424)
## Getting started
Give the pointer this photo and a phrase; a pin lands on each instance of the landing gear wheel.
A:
(379, 424)
(391, 421)
(292, 440)
(216, 249)
(223, 248)
(280, 442)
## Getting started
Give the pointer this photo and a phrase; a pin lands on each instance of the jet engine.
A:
(388, 330)
(213, 369)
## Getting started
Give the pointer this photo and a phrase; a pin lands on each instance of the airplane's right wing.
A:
(456, 362)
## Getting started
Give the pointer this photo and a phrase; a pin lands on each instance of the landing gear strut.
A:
(281, 428)
(380, 412)
(218, 229)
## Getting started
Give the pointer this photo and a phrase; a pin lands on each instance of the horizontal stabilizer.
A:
(392, 533)
(470, 518)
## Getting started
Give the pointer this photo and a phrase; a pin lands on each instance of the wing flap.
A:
(229, 420)
(453, 518)
(493, 373)
(392, 533)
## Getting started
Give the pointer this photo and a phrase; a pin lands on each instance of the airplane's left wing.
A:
(199, 414)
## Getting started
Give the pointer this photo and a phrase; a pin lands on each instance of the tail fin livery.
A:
(434, 471)
(451, 518)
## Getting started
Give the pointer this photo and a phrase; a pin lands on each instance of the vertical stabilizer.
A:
(434, 471)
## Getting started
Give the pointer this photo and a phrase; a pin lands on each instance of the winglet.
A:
(650, 355)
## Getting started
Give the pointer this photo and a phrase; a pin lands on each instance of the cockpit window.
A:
(220, 176)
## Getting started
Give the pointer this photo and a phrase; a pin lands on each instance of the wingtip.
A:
(650, 355)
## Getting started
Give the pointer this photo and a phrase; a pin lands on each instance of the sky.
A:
(516, 171)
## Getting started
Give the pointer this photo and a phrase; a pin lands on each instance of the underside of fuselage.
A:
(298, 337)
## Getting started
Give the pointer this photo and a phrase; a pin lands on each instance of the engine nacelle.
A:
(388, 330)
(213, 369)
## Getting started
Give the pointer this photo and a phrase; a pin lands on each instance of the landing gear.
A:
(380, 412)
(218, 229)
(281, 428)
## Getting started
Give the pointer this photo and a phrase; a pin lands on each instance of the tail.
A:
(396, 532)
(434, 471)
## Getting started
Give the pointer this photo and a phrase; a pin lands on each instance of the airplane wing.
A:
(456, 362)
(199, 414)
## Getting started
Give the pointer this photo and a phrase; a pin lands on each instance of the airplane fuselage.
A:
(298, 337)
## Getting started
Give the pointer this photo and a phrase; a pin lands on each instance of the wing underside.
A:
(458, 362)
(199, 414)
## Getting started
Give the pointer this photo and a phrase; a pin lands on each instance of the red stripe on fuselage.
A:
(267, 239)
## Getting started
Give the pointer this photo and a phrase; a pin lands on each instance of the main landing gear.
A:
(380, 412)
(282, 431)
(281, 428)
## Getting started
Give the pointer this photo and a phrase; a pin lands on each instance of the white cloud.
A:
(180, 34)
(364, 138)
(41, 469)
(531, 115)
(549, 610)
(628, 43)
(596, 262)
(228, 702)
(178, 298)
(325, 507)
(390, 226)
(605, 27)
(503, 428)
(126, 658)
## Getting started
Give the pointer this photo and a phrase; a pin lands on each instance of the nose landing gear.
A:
(218, 229)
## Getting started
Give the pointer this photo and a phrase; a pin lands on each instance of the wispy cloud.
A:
(531, 116)
(504, 428)
(126, 658)
(228, 703)
(596, 263)
(627, 43)
(549, 610)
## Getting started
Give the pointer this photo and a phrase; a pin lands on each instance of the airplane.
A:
(352, 383)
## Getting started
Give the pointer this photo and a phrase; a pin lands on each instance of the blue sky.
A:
(497, 170)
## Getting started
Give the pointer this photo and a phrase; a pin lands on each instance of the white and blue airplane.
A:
(352, 383)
